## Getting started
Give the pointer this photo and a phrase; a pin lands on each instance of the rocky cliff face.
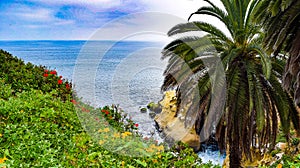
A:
(173, 126)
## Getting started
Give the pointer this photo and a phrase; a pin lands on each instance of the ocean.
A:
(126, 73)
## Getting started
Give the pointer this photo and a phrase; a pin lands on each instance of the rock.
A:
(143, 110)
(281, 146)
(150, 105)
(154, 107)
(173, 127)
(278, 156)
(152, 114)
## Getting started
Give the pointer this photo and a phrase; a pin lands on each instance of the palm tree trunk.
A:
(235, 152)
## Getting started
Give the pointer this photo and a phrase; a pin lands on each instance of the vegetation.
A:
(254, 98)
(40, 126)
(281, 20)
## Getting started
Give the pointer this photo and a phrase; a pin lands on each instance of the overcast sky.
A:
(84, 19)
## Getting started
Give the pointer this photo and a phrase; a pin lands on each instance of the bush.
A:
(24, 77)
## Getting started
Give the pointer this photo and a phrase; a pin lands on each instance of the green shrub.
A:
(24, 77)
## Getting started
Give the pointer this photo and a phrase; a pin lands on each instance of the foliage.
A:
(254, 97)
(24, 77)
(286, 161)
(281, 19)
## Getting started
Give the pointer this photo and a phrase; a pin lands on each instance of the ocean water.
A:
(127, 73)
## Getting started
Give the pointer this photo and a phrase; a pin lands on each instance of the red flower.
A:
(73, 101)
(136, 125)
(59, 81)
(46, 70)
(85, 110)
(105, 111)
(60, 77)
(67, 86)
(53, 72)
(45, 75)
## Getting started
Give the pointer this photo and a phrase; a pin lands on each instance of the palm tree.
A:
(254, 97)
(281, 20)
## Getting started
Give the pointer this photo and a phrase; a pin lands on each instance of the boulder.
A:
(143, 110)
(152, 114)
(281, 146)
(173, 126)
(155, 107)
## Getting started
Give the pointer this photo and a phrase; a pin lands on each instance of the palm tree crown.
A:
(281, 20)
(254, 96)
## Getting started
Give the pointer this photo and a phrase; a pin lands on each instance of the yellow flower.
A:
(125, 134)
(154, 161)
(106, 130)
(1, 135)
(152, 146)
(123, 163)
(2, 160)
(101, 142)
(116, 135)
(160, 148)
(150, 150)
(279, 165)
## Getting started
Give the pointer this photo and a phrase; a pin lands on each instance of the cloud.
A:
(32, 14)
(78, 19)
(95, 5)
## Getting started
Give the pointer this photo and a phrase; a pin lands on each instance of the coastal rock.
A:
(281, 146)
(155, 107)
(143, 110)
(152, 114)
(172, 126)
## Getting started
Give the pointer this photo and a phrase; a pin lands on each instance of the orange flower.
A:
(279, 165)
(2, 160)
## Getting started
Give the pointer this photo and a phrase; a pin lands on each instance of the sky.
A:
(92, 19)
